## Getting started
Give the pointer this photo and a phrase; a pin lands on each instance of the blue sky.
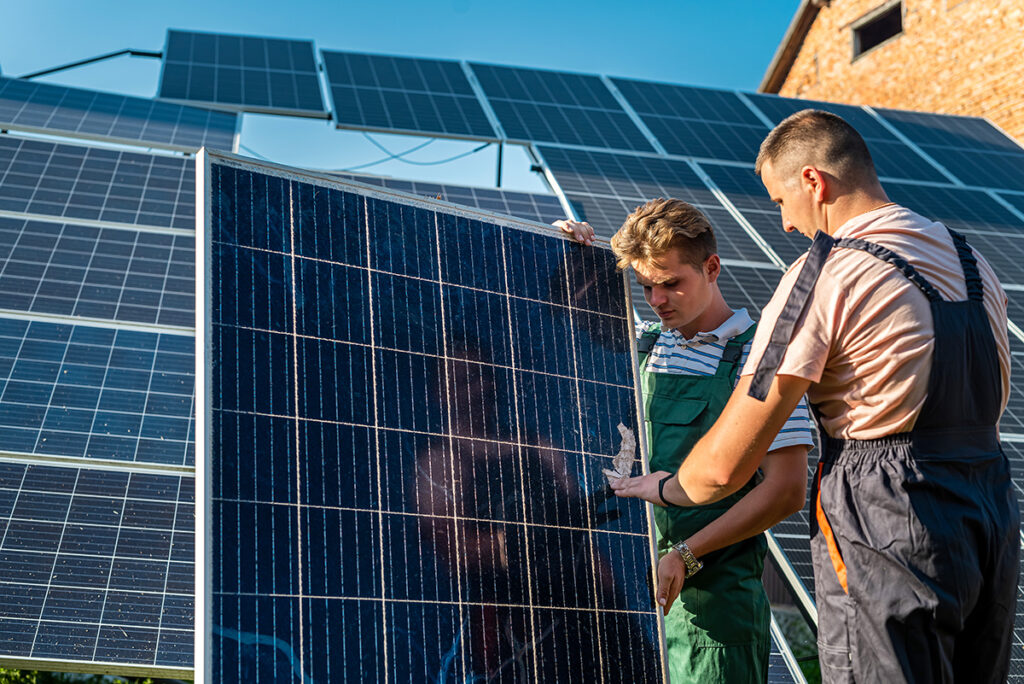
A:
(714, 44)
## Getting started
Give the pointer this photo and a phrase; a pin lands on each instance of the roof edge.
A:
(790, 46)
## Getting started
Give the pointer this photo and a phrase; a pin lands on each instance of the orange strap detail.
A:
(830, 540)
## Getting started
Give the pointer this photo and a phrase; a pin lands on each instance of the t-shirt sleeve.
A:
(809, 347)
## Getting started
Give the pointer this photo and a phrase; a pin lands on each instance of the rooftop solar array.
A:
(245, 73)
(534, 105)
(403, 350)
(46, 108)
(428, 96)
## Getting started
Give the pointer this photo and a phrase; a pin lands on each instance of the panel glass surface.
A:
(697, 122)
(96, 566)
(971, 149)
(30, 105)
(534, 105)
(404, 94)
(1017, 201)
(522, 205)
(892, 157)
(404, 446)
(91, 392)
(248, 73)
(77, 182)
(100, 273)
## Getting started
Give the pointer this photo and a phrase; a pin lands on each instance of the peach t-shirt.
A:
(865, 339)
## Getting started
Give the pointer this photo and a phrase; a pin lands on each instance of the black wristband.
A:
(661, 490)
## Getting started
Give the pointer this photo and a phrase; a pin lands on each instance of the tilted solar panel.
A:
(47, 108)
(414, 355)
(95, 184)
(429, 96)
(535, 105)
(696, 122)
(245, 73)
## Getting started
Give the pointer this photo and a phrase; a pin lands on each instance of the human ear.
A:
(712, 268)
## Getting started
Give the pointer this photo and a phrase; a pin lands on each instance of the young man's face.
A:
(678, 291)
(793, 199)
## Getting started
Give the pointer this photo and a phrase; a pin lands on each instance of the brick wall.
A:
(953, 57)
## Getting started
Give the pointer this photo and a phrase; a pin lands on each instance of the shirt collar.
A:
(733, 326)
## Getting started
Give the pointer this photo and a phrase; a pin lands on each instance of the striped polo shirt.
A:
(673, 353)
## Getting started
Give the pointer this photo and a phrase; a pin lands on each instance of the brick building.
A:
(948, 56)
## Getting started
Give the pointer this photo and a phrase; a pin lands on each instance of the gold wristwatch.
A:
(693, 565)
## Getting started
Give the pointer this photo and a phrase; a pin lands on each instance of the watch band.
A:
(693, 564)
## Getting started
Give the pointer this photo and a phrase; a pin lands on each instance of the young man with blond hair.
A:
(713, 556)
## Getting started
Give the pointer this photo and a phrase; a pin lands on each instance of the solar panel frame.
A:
(203, 656)
(377, 105)
(258, 77)
(46, 108)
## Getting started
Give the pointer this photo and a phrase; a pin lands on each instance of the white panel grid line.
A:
(912, 145)
(628, 108)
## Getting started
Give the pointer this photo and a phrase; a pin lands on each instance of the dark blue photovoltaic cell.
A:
(558, 107)
(96, 393)
(446, 495)
(892, 158)
(96, 565)
(696, 122)
(971, 149)
(76, 182)
(522, 205)
(248, 73)
(1016, 200)
(107, 116)
(778, 668)
(104, 273)
(404, 94)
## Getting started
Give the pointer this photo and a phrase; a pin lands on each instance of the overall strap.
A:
(782, 333)
(733, 352)
(975, 290)
(895, 260)
(645, 344)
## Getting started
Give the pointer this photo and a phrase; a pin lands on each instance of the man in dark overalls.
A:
(896, 330)
(718, 631)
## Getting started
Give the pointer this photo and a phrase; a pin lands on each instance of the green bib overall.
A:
(718, 629)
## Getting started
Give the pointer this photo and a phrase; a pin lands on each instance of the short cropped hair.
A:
(659, 225)
(820, 139)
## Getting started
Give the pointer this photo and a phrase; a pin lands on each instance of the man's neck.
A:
(853, 204)
(717, 313)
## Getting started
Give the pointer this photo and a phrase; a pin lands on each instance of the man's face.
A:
(794, 200)
(678, 291)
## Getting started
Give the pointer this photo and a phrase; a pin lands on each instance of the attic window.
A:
(877, 27)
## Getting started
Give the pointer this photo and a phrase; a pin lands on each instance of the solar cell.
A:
(1016, 200)
(47, 108)
(92, 183)
(247, 73)
(94, 272)
(972, 149)
(523, 205)
(434, 508)
(99, 393)
(782, 666)
(96, 566)
(892, 158)
(697, 122)
(403, 94)
(534, 105)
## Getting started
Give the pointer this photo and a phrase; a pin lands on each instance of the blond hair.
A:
(659, 225)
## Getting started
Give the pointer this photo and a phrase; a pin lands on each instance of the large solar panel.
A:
(95, 184)
(530, 206)
(696, 122)
(96, 566)
(435, 509)
(97, 273)
(403, 94)
(247, 73)
(534, 105)
(46, 108)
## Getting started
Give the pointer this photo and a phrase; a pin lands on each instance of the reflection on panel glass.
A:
(96, 565)
(412, 449)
